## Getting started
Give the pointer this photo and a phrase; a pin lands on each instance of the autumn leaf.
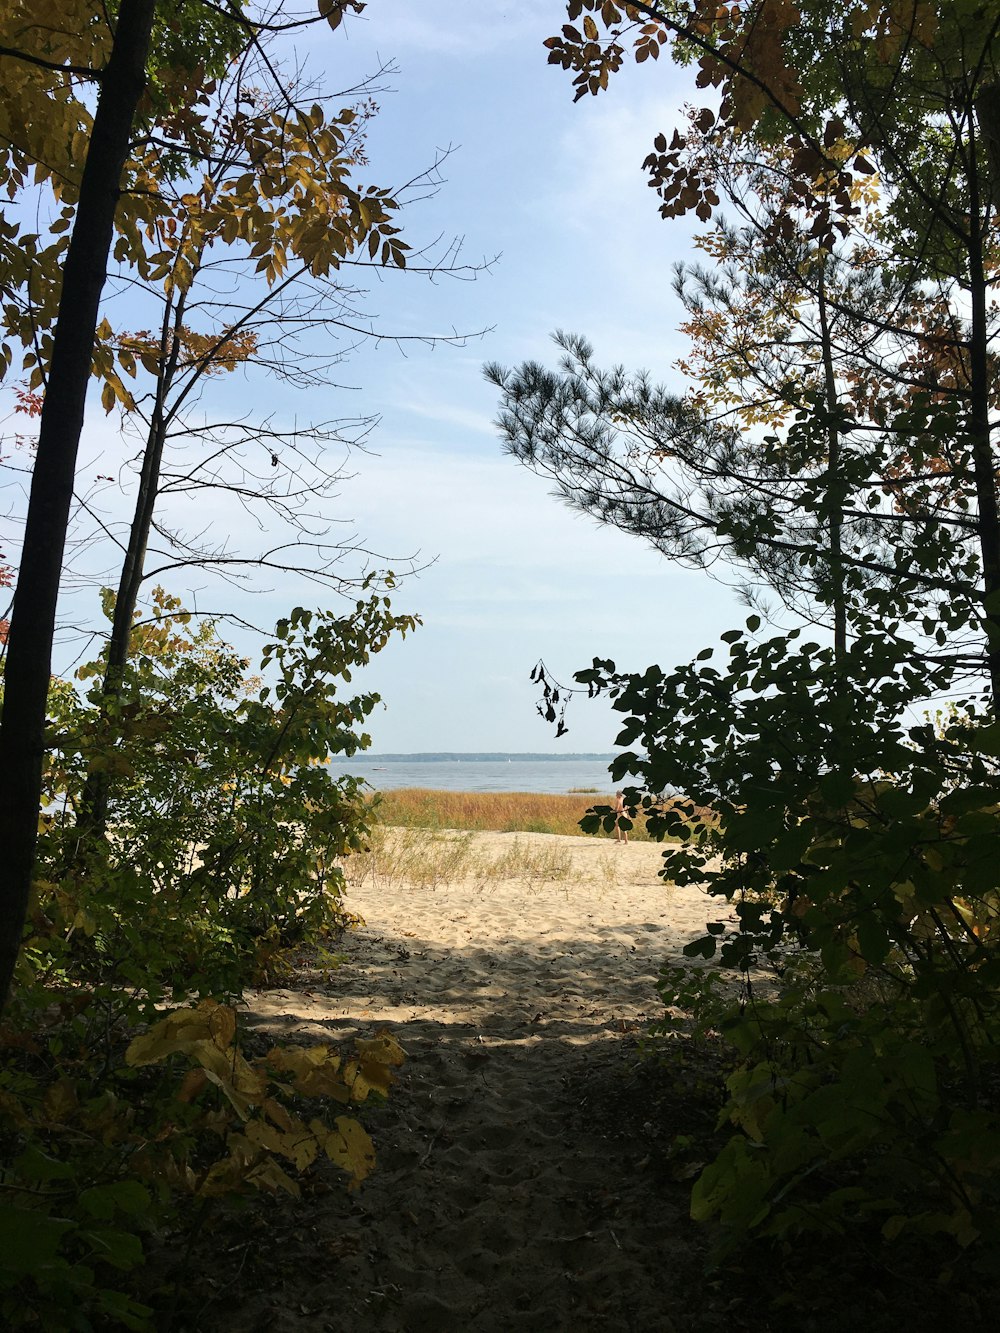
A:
(182, 1031)
(349, 1147)
(297, 1143)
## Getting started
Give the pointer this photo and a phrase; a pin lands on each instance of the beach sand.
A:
(506, 1196)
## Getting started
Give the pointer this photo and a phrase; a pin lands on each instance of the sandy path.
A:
(500, 1202)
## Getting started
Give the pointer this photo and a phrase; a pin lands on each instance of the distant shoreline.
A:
(479, 757)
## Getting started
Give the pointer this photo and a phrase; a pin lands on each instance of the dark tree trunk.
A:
(97, 788)
(834, 487)
(32, 624)
(983, 462)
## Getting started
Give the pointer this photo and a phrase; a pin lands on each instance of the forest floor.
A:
(528, 1175)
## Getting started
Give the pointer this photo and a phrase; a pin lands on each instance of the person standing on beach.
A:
(621, 834)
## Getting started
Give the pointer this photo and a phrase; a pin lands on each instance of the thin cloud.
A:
(441, 29)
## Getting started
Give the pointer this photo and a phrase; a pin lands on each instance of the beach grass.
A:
(492, 812)
(425, 837)
(424, 858)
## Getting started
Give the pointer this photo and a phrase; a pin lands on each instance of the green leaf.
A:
(33, 1164)
(29, 1238)
(126, 1196)
(873, 939)
(120, 1249)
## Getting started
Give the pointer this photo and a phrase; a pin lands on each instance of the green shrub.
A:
(226, 834)
(859, 852)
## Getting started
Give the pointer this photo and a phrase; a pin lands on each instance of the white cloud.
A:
(446, 413)
(440, 28)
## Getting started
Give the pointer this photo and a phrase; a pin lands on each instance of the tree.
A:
(54, 59)
(29, 642)
(242, 284)
(908, 91)
(807, 450)
(854, 843)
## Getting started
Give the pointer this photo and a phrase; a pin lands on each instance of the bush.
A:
(227, 825)
(226, 831)
(859, 851)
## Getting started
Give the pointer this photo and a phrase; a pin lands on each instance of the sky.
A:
(552, 197)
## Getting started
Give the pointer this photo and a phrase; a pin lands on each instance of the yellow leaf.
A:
(85, 922)
(382, 1049)
(221, 1023)
(296, 1060)
(281, 1116)
(373, 1073)
(243, 1086)
(298, 1145)
(12, 1109)
(315, 1070)
(60, 1100)
(269, 1175)
(223, 1177)
(182, 1031)
(178, 1176)
(194, 1082)
(350, 1148)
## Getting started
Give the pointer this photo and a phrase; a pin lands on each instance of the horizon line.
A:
(468, 754)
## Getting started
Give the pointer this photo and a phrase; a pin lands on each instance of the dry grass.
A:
(491, 812)
(425, 838)
(424, 858)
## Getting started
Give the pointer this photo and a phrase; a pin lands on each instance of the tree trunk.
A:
(32, 625)
(834, 488)
(983, 464)
(93, 813)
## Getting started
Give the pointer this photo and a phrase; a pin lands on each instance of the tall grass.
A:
(424, 858)
(492, 812)
(424, 838)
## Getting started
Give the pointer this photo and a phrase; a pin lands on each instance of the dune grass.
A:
(424, 837)
(492, 812)
(424, 858)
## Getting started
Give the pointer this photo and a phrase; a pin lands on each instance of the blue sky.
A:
(556, 191)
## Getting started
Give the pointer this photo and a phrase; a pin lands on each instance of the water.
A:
(474, 773)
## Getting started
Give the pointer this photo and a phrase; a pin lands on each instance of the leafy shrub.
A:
(226, 837)
(859, 851)
(98, 1157)
(227, 826)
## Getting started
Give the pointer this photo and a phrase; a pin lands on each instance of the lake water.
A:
(473, 774)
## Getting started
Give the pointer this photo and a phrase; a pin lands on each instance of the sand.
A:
(506, 1195)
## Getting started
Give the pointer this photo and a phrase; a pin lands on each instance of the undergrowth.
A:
(128, 1103)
